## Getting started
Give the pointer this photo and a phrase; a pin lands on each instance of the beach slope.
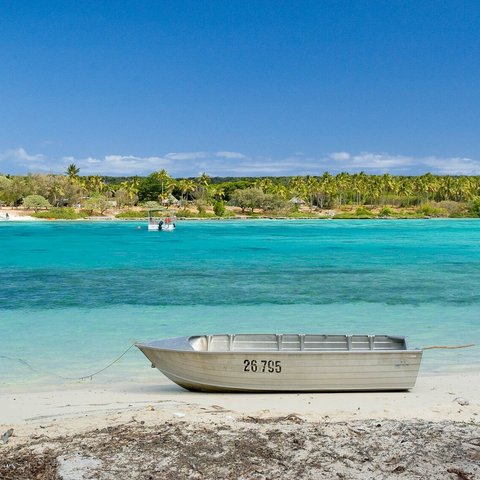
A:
(159, 431)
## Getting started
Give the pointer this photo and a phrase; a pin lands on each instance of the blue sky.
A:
(240, 87)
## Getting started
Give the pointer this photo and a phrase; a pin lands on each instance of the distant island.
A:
(72, 196)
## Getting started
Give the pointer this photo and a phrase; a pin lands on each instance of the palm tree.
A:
(130, 190)
(312, 187)
(55, 192)
(135, 182)
(467, 187)
(216, 192)
(325, 189)
(204, 179)
(203, 182)
(360, 187)
(187, 187)
(72, 172)
(96, 183)
(280, 190)
(388, 185)
(297, 187)
(342, 183)
(167, 184)
(264, 184)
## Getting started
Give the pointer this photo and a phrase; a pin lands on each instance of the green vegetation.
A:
(219, 208)
(386, 212)
(339, 196)
(359, 213)
(97, 204)
(184, 213)
(294, 214)
(364, 212)
(474, 207)
(65, 213)
(133, 214)
(35, 202)
(429, 210)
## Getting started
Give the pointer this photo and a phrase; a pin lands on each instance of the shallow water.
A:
(73, 295)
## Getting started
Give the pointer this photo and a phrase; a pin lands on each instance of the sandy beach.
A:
(158, 430)
(8, 214)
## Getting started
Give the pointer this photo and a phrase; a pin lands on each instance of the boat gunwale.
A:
(183, 344)
(275, 352)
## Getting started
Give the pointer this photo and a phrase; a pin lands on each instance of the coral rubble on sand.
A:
(253, 448)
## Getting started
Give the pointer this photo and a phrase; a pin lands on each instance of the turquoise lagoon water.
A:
(73, 295)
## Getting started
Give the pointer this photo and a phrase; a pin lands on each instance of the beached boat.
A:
(288, 362)
(158, 222)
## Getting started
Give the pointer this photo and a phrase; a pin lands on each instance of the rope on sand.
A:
(450, 347)
(36, 370)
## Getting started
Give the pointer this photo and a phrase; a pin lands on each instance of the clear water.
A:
(75, 295)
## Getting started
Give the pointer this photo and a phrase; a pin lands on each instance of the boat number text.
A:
(262, 366)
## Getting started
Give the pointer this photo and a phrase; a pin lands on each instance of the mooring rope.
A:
(113, 362)
(109, 365)
(450, 347)
(44, 372)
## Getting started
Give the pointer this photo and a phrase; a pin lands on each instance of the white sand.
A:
(87, 405)
(160, 431)
(15, 215)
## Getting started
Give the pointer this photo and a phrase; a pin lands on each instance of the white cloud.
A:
(230, 155)
(402, 164)
(253, 169)
(186, 155)
(19, 160)
(177, 163)
(119, 165)
(340, 156)
(89, 161)
(453, 166)
(380, 161)
(202, 155)
(371, 161)
(21, 155)
(230, 163)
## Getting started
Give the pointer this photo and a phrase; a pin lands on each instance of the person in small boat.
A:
(160, 224)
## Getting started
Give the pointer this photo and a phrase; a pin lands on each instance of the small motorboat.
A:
(158, 222)
(286, 362)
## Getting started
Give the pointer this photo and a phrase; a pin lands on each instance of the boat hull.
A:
(287, 371)
(154, 227)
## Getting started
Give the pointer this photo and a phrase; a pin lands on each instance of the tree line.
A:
(98, 193)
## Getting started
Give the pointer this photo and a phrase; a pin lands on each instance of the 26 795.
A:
(262, 366)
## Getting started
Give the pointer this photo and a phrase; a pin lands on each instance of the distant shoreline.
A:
(13, 218)
(140, 214)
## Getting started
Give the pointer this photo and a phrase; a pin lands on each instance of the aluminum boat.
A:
(286, 362)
